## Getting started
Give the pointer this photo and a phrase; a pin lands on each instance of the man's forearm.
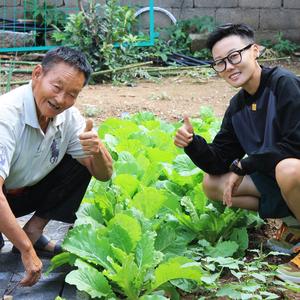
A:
(10, 227)
(100, 165)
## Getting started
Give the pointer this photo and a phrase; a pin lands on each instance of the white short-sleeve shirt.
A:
(27, 154)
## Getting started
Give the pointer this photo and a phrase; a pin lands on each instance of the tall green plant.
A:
(103, 33)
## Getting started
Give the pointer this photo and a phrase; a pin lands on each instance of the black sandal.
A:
(39, 247)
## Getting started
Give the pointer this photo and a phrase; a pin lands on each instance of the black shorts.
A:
(55, 197)
(271, 203)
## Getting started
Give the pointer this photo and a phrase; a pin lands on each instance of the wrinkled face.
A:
(240, 74)
(56, 90)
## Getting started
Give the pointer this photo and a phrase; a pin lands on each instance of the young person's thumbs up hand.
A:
(184, 134)
(89, 139)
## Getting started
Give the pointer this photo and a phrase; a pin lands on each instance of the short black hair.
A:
(222, 31)
(70, 56)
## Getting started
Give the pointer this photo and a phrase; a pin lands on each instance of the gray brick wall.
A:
(266, 16)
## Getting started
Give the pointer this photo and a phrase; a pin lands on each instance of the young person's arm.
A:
(215, 158)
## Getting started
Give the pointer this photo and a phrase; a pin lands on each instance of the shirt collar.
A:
(31, 112)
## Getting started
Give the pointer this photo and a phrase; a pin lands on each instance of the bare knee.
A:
(287, 173)
(212, 187)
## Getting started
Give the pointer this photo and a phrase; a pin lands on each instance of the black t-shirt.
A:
(264, 126)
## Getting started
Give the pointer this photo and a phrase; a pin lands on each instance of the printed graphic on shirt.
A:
(3, 155)
(54, 152)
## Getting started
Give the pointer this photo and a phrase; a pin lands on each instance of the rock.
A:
(198, 41)
(11, 39)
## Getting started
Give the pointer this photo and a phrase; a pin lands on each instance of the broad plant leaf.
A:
(153, 297)
(171, 242)
(184, 165)
(89, 244)
(90, 280)
(224, 249)
(127, 277)
(60, 260)
(151, 174)
(89, 214)
(149, 201)
(240, 235)
(128, 184)
(127, 164)
(145, 254)
(132, 146)
(175, 268)
(124, 232)
(156, 155)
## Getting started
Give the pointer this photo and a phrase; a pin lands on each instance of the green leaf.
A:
(210, 279)
(157, 155)
(128, 184)
(111, 142)
(124, 232)
(145, 252)
(207, 114)
(127, 164)
(132, 146)
(240, 235)
(190, 208)
(149, 201)
(60, 260)
(151, 174)
(184, 165)
(224, 249)
(175, 268)
(90, 280)
(269, 295)
(228, 291)
(260, 277)
(128, 277)
(89, 244)
(153, 297)
(89, 214)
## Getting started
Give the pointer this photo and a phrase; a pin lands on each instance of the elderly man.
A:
(48, 153)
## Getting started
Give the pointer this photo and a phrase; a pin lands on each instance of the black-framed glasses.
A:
(234, 58)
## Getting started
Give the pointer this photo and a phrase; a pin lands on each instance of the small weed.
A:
(91, 110)
(162, 97)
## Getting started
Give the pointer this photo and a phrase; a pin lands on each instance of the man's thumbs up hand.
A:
(88, 125)
(184, 134)
(89, 139)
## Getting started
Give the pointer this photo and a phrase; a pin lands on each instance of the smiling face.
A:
(246, 73)
(55, 90)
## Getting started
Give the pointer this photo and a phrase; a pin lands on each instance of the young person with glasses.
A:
(254, 160)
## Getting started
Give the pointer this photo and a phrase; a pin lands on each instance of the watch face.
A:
(236, 169)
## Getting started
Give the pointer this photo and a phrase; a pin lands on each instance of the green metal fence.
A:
(28, 27)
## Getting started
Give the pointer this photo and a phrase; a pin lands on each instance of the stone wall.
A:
(267, 17)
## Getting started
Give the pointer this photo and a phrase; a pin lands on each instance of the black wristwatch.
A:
(234, 167)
